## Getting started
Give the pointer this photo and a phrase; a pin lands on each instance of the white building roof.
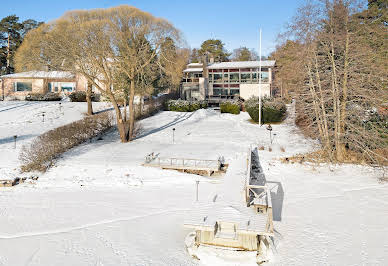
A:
(196, 69)
(194, 65)
(41, 74)
(242, 64)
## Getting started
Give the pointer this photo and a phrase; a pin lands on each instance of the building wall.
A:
(39, 85)
(9, 87)
(243, 241)
(248, 90)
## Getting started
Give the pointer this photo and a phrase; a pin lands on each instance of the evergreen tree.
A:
(12, 33)
(244, 54)
(214, 48)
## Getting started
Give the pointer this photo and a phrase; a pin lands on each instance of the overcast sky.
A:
(235, 22)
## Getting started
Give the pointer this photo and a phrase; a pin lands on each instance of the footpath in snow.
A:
(99, 206)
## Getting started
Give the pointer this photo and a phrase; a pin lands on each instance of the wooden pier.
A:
(185, 164)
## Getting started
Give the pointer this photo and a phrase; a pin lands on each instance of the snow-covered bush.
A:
(185, 106)
(50, 96)
(40, 154)
(273, 109)
(232, 107)
(80, 96)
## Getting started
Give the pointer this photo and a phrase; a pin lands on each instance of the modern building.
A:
(18, 85)
(226, 80)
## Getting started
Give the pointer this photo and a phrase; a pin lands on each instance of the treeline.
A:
(12, 33)
(333, 61)
(214, 48)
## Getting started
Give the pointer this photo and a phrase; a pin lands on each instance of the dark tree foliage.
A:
(214, 48)
(12, 33)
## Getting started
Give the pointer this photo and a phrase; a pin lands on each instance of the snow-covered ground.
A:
(25, 120)
(99, 206)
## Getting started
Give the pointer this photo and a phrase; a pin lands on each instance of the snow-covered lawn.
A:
(25, 120)
(99, 206)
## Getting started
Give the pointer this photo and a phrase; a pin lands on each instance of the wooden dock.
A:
(185, 164)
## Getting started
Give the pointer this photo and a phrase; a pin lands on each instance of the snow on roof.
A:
(41, 74)
(197, 69)
(195, 65)
(242, 64)
(245, 218)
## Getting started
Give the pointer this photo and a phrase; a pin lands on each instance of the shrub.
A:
(50, 96)
(80, 96)
(185, 106)
(273, 110)
(41, 153)
(232, 107)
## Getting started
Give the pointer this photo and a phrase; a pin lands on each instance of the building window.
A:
(245, 77)
(264, 76)
(61, 86)
(254, 77)
(211, 78)
(226, 77)
(233, 77)
(234, 91)
(53, 87)
(217, 91)
(23, 86)
(217, 77)
(67, 86)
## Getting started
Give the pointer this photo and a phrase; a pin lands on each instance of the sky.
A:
(235, 22)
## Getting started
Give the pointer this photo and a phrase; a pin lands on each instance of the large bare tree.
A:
(115, 49)
(343, 82)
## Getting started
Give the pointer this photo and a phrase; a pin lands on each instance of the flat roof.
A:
(41, 74)
(242, 64)
(196, 69)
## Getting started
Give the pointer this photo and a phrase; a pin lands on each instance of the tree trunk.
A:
(131, 109)
(121, 125)
(89, 99)
(8, 54)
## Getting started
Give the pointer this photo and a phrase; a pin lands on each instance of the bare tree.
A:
(343, 83)
(102, 45)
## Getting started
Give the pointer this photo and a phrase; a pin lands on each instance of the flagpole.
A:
(260, 80)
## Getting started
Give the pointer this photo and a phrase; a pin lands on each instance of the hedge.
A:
(50, 96)
(273, 110)
(80, 96)
(185, 106)
(40, 154)
(232, 107)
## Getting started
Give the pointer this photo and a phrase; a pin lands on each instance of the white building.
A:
(227, 80)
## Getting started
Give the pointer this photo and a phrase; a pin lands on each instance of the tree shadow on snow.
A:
(11, 139)
(180, 118)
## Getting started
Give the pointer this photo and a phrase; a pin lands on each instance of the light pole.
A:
(43, 117)
(14, 138)
(197, 189)
(173, 135)
(269, 128)
(260, 80)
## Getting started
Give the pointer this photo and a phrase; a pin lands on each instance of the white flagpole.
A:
(260, 81)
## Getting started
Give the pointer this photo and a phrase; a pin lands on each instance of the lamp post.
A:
(197, 189)
(14, 138)
(173, 135)
(43, 117)
(269, 128)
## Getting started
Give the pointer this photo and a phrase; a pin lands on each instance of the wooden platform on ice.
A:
(195, 166)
